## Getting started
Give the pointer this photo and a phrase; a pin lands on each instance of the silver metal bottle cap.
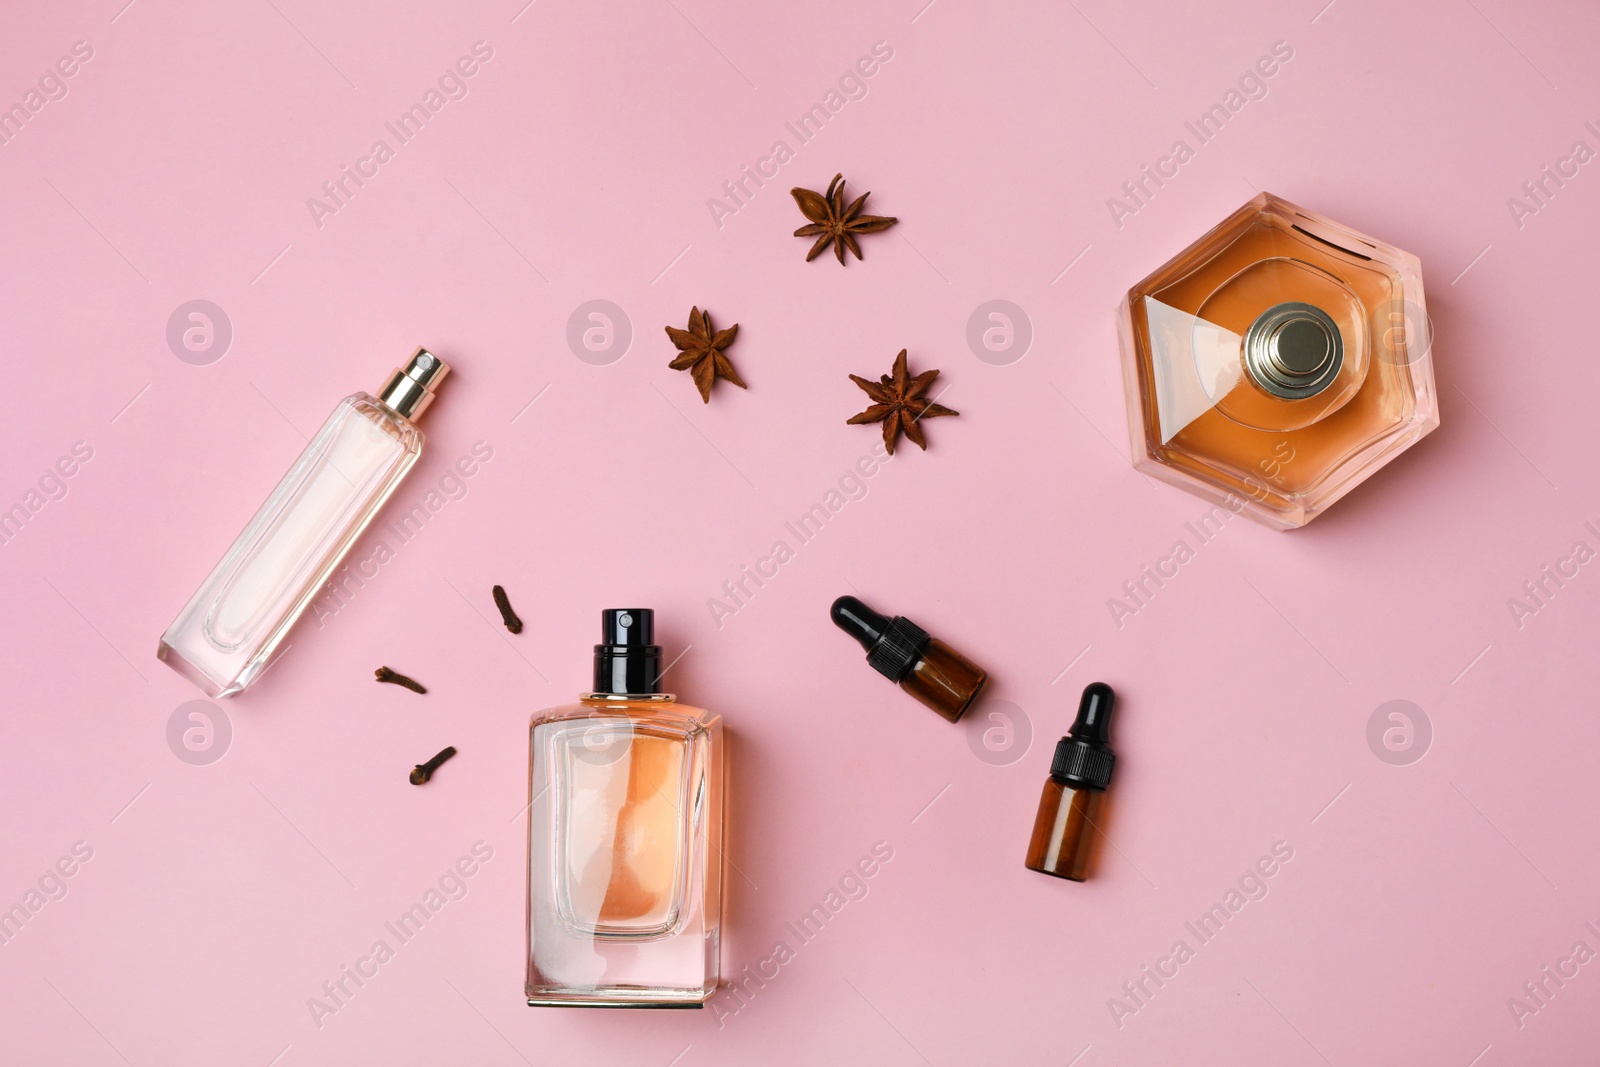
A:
(410, 389)
(1293, 350)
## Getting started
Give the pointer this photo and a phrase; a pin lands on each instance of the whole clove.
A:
(423, 771)
(513, 623)
(384, 674)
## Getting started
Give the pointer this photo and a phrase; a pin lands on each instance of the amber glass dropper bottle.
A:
(900, 650)
(1069, 817)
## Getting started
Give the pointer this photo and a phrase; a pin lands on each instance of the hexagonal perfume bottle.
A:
(1277, 362)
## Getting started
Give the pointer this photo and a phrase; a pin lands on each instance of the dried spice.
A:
(384, 674)
(700, 352)
(833, 222)
(513, 623)
(898, 403)
(423, 771)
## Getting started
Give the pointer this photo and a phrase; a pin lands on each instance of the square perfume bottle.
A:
(1277, 362)
(625, 837)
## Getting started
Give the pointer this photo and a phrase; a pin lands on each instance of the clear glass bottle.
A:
(1277, 362)
(236, 623)
(625, 837)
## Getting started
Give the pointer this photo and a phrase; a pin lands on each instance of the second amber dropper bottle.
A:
(1070, 811)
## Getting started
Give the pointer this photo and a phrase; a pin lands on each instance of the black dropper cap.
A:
(893, 645)
(628, 661)
(1084, 759)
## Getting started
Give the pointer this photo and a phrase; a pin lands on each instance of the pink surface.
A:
(578, 166)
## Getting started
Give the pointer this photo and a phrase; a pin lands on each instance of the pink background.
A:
(219, 898)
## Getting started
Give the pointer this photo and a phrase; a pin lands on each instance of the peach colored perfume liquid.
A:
(626, 835)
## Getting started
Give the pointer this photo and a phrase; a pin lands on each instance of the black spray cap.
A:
(628, 661)
(1084, 759)
(893, 645)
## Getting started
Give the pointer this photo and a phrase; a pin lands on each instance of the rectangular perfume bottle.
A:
(237, 621)
(625, 838)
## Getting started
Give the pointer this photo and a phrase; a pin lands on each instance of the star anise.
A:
(700, 352)
(898, 403)
(832, 221)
